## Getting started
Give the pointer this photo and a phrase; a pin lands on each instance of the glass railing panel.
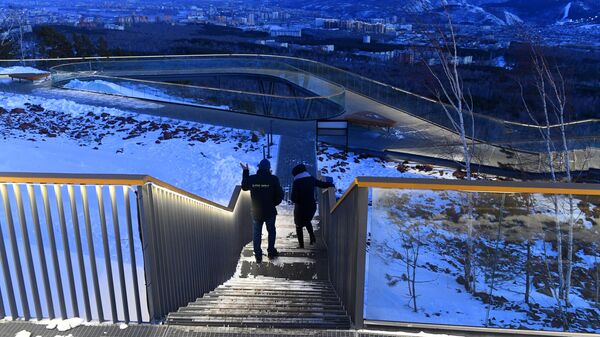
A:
(288, 107)
(484, 259)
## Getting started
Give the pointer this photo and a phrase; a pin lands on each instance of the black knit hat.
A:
(298, 169)
(264, 164)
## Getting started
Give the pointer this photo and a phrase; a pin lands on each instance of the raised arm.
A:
(323, 184)
(246, 184)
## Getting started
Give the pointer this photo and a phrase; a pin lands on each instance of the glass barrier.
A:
(322, 99)
(484, 259)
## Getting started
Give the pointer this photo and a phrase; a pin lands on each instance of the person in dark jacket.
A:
(303, 197)
(266, 193)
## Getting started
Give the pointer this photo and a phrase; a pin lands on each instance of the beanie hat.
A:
(264, 164)
(298, 169)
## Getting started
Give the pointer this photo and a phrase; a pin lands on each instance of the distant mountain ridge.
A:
(493, 12)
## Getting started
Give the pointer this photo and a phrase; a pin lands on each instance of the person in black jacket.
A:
(303, 197)
(266, 193)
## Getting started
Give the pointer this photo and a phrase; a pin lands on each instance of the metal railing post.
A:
(117, 234)
(66, 248)
(8, 279)
(132, 258)
(27, 248)
(15, 254)
(53, 251)
(147, 223)
(79, 247)
(91, 251)
(362, 214)
(107, 260)
(41, 251)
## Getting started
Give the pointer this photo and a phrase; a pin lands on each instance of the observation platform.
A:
(314, 91)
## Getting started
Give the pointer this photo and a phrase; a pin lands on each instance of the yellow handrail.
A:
(105, 179)
(484, 186)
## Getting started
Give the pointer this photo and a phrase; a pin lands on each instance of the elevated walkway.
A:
(290, 292)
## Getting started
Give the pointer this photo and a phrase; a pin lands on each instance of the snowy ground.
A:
(20, 70)
(138, 90)
(69, 137)
(345, 167)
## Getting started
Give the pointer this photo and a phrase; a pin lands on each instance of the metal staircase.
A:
(290, 292)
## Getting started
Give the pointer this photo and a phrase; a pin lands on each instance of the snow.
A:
(566, 11)
(203, 165)
(21, 70)
(512, 19)
(23, 333)
(500, 62)
(64, 325)
(344, 168)
(403, 334)
(135, 90)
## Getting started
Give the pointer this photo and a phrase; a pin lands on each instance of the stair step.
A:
(278, 288)
(271, 297)
(300, 308)
(266, 323)
(296, 283)
(304, 284)
(267, 293)
(270, 300)
(265, 300)
(258, 300)
(256, 314)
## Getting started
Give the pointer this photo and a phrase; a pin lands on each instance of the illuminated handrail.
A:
(471, 186)
(104, 179)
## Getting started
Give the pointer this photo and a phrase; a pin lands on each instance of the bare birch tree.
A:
(457, 104)
(5, 29)
(550, 85)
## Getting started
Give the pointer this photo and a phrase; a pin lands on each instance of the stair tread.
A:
(270, 292)
(232, 306)
(253, 314)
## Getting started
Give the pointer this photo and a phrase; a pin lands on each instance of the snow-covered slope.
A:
(58, 135)
(136, 90)
(20, 70)
(511, 19)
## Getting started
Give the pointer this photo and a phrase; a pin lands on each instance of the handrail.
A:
(106, 179)
(471, 186)
(100, 58)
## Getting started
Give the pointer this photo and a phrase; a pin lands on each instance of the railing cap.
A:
(107, 179)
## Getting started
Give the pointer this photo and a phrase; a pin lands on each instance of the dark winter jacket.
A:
(266, 193)
(303, 196)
